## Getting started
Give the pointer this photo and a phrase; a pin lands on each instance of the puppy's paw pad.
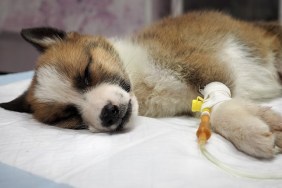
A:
(278, 138)
(274, 121)
(260, 145)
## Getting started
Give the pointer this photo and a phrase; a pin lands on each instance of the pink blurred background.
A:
(103, 17)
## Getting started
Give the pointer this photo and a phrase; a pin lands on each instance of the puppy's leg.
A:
(242, 124)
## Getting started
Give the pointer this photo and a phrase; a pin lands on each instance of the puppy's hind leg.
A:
(237, 121)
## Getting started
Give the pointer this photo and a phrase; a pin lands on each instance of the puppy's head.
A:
(79, 82)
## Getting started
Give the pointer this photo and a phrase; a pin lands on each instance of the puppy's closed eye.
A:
(84, 80)
(125, 85)
(87, 75)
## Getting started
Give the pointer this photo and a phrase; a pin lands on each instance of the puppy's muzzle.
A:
(113, 115)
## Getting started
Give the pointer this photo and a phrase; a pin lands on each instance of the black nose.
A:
(109, 115)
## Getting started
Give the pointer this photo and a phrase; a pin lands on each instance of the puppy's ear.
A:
(42, 37)
(19, 104)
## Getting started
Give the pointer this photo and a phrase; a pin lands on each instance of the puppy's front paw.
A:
(273, 120)
(242, 124)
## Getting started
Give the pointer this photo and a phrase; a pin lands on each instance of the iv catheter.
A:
(214, 94)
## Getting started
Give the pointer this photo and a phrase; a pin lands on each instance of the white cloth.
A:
(157, 153)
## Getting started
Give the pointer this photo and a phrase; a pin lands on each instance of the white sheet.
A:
(157, 153)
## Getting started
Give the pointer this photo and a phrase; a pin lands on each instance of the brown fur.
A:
(190, 41)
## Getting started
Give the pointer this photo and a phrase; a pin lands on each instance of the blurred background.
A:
(104, 17)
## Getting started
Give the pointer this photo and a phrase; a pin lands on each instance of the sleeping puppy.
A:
(92, 82)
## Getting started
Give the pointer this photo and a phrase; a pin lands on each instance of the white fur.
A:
(53, 86)
(254, 78)
(97, 98)
(135, 58)
(168, 93)
(47, 41)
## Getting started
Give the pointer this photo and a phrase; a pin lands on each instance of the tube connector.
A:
(214, 94)
(204, 131)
